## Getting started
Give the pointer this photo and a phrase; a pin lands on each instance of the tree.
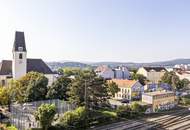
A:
(58, 90)
(75, 120)
(172, 79)
(141, 78)
(4, 96)
(87, 83)
(45, 115)
(33, 86)
(183, 84)
(69, 71)
(113, 88)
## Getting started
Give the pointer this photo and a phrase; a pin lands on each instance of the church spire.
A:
(19, 43)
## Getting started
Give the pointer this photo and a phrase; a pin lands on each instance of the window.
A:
(20, 56)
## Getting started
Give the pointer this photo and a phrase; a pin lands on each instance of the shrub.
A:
(76, 119)
(186, 101)
(45, 115)
(5, 127)
(123, 111)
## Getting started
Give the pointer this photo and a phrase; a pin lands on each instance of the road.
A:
(177, 120)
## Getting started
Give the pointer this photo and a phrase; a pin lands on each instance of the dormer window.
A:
(20, 48)
(20, 56)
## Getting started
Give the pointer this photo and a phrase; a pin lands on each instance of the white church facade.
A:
(20, 64)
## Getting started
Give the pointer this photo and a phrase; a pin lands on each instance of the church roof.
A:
(19, 41)
(37, 65)
(6, 67)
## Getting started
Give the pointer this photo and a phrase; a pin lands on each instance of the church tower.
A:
(19, 62)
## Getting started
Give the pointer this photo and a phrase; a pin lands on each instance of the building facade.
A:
(129, 89)
(153, 74)
(159, 100)
(116, 73)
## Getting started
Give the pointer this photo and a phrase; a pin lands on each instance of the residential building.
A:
(105, 72)
(122, 73)
(153, 74)
(129, 89)
(20, 64)
(183, 74)
(116, 73)
(160, 100)
(185, 67)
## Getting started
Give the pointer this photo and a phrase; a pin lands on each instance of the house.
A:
(116, 73)
(20, 64)
(159, 100)
(129, 89)
(153, 74)
(105, 72)
(122, 73)
(183, 74)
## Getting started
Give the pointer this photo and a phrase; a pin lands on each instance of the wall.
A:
(163, 101)
(154, 76)
(142, 71)
(19, 65)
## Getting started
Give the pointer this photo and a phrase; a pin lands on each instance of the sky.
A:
(97, 30)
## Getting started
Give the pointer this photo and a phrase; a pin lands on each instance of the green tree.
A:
(172, 79)
(4, 96)
(183, 84)
(33, 86)
(141, 78)
(96, 89)
(69, 71)
(45, 115)
(75, 120)
(113, 88)
(58, 90)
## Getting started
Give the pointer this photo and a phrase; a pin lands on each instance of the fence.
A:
(22, 115)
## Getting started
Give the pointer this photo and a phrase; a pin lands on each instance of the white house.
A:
(183, 75)
(153, 74)
(20, 64)
(129, 89)
(109, 73)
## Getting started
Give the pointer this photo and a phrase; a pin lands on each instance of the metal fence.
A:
(22, 115)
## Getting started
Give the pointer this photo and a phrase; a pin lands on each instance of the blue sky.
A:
(97, 30)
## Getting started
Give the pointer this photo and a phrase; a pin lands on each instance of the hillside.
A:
(56, 65)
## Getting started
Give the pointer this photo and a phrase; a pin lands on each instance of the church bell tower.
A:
(19, 62)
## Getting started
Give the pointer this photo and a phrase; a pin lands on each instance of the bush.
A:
(137, 109)
(45, 115)
(5, 127)
(74, 119)
(124, 111)
(186, 101)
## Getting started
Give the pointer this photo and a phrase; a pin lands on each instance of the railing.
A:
(22, 115)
